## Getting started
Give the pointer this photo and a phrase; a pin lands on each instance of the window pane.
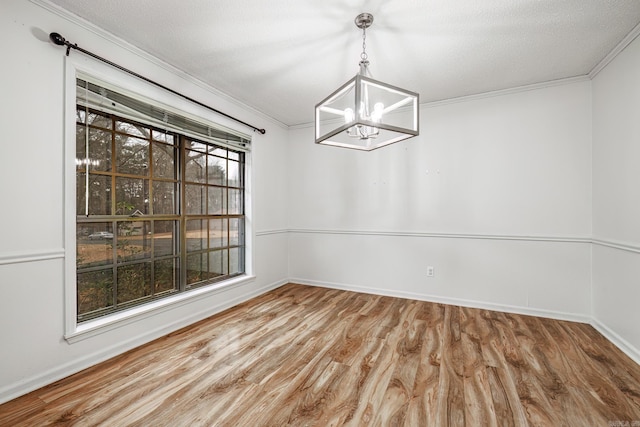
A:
(81, 187)
(236, 226)
(195, 167)
(216, 170)
(94, 244)
(235, 202)
(99, 195)
(134, 282)
(164, 275)
(99, 150)
(217, 233)
(135, 129)
(236, 264)
(164, 161)
(163, 198)
(81, 147)
(218, 263)
(94, 290)
(217, 151)
(198, 146)
(164, 234)
(132, 155)
(132, 241)
(195, 198)
(196, 235)
(216, 200)
(196, 268)
(235, 179)
(163, 136)
(132, 195)
(100, 120)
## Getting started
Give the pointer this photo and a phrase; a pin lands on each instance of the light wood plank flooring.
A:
(306, 356)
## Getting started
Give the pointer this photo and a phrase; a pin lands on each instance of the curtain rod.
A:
(57, 39)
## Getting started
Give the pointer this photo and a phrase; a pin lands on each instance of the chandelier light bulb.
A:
(378, 109)
(348, 115)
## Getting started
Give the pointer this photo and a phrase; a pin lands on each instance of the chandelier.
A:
(365, 114)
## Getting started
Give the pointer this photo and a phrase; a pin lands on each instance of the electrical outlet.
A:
(430, 271)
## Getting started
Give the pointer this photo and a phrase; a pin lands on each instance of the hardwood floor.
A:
(306, 356)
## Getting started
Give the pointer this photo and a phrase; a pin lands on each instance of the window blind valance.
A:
(97, 95)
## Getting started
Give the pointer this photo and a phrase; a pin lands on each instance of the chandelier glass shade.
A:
(365, 114)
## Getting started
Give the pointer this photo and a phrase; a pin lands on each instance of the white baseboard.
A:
(528, 311)
(617, 340)
(35, 382)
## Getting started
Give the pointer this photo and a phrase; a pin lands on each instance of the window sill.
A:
(104, 324)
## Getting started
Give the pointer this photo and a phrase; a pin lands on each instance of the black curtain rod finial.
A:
(56, 38)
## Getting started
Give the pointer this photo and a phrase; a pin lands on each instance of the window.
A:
(160, 202)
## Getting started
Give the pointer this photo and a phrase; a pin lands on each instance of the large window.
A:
(158, 211)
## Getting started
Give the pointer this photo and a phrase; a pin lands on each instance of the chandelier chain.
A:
(364, 55)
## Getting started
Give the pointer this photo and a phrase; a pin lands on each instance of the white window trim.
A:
(75, 332)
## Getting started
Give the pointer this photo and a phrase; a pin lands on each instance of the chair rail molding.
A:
(31, 256)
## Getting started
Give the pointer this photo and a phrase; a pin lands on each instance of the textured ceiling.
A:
(283, 56)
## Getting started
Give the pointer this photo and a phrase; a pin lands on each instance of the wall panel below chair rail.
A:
(543, 276)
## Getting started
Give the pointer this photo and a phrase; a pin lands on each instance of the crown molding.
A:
(508, 91)
(635, 32)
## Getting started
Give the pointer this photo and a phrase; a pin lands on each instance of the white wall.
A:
(616, 198)
(495, 193)
(33, 351)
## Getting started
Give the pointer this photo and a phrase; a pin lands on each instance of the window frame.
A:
(77, 67)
